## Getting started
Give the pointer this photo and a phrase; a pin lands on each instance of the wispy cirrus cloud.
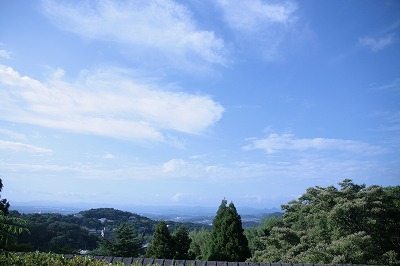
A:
(267, 24)
(252, 15)
(162, 29)
(390, 121)
(394, 85)
(20, 147)
(106, 102)
(274, 143)
(377, 44)
(13, 135)
(5, 54)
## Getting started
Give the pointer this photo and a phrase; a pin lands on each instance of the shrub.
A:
(50, 259)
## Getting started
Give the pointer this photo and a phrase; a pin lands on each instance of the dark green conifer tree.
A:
(162, 245)
(126, 243)
(181, 242)
(228, 242)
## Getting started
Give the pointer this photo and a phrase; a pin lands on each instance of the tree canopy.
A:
(161, 245)
(167, 246)
(353, 224)
(181, 242)
(227, 240)
(10, 227)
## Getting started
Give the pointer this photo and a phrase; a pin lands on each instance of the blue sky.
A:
(187, 102)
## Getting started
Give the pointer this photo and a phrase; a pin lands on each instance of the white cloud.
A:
(12, 134)
(253, 198)
(275, 143)
(18, 147)
(251, 15)
(110, 156)
(378, 44)
(5, 54)
(163, 27)
(177, 197)
(107, 102)
(173, 165)
(268, 27)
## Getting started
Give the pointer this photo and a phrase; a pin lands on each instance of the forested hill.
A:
(70, 233)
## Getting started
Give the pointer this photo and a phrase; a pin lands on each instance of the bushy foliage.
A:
(10, 227)
(227, 241)
(54, 234)
(199, 243)
(50, 259)
(354, 224)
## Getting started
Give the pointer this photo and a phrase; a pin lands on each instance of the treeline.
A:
(352, 224)
(349, 224)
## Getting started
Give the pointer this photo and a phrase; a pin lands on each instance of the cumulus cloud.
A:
(19, 147)
(177, 197)
(106, 102)
(378, 44)
(173, 165)
(163, 27)
(280, 142)
(110, 156)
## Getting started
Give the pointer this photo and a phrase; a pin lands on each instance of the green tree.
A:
(228, 242)
(4, 204)
(353, 224)
(181, 242)
(10, 227)
(257, 235)
(199, 243)
(162, 245)
(126, 243)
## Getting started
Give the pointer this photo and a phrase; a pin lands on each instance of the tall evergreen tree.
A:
(181, 242)
(228, 242)
(126, 243)
(162, 245)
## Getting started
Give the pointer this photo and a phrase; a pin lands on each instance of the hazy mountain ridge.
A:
(196, 214)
